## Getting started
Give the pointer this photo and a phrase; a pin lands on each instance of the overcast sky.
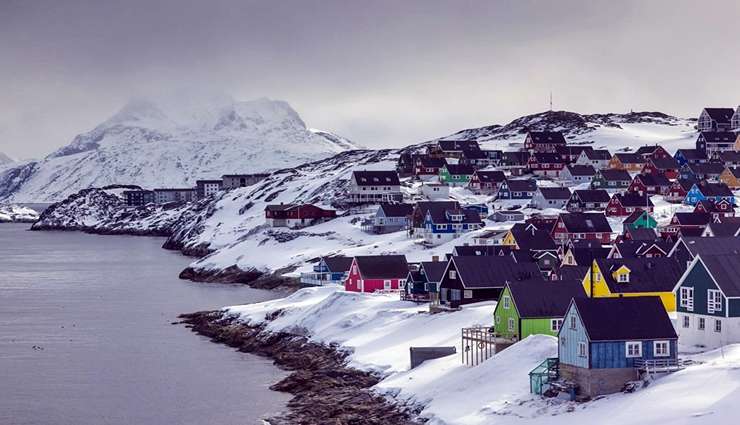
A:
(382, 73)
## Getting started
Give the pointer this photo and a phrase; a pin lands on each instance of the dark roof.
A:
(543, 137)
(735, 171)
(627, 318)
(724, 229)
(434, 270)
(522, 185)
(572, 272)
(516, 157)
(647, 149)
(706, 168)
(279, 207)
(572, 149)
(665, 163)
(633, 199)
(714, 189)
(592, 195)
(581, 170)
(721, 115)
(599, 154)
(586, 223)
(376, 178)
(458, 145)
(636, 248)
(432, 162)
(478, 250)
(642, 234)
(544, 298)
(718, 136)
(529, 238)
(634, 216)
(583, 256)
(646, 274)
(692, 218)
(692, 154)
(729, 156)
(686, 184)
(490, 176)
(615, 175)
(555, 192)
(493, 271)
(460, 169)
(521, 256)
(469, 216)
(719, 245)
(711, 207)
(397, 210)
(630, 158)
(474, 154)
(436, 208)
(691, 231)
(338, 263)
(548, 158)
(653, 180)
(382, 266)
(725, 269)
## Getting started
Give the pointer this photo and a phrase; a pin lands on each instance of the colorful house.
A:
(442, 228)
(731, 177)
(390, 218)
(678, 190)
(708, 297)
(551, 197)
(582, 226)
(705, 171)
(716, 192)
(611, 179)
(456, 174)
(426, 166)
(516, 189)
(635, 277)
(606, 342)
(486, 182)
(624, 204)
(533, 308)
(545, 164)
(371, 273)
(597, 158)
(690, 156)
(640, 219)
(630, 162)
(653, 152)
(718, 210)
(328, 270)
(652, 184)
(587, 200)
(544, 141)
(296, 215)
(422, 283)
(576, 173)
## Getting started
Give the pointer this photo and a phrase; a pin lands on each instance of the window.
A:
(686, 321)
(468, 294)
(507, 302)
(387, 284)
(453, 274)
(597, 276)
(354, 269)
(633, 349)
(624, 278)
(700, 324)
(572, 322)
(661, 349)
(511, 324)
(498, 320)
(402, 283)
(714, 301)
(582, 352)
(717, 325)
(555, 324)
(686, 298)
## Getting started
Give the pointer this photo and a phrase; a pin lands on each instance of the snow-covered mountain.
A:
(17, 214)
(6, 161)
(602, 131)
(173, 142)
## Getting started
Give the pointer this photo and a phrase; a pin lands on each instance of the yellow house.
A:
(731, 177)
(635, 277)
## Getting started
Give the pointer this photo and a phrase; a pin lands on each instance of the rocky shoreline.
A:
(324, 389)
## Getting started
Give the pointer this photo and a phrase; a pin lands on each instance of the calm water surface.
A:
(85, 337)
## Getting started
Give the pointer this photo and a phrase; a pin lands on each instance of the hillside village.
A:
(567, 241)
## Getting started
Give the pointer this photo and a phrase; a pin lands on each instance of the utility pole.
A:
(550, 100)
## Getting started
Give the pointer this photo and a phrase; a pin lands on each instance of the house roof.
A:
(382, 266)
(572, 272)
(653, 180)
(599, 154)
(641, 234)
(692, 154)
(537, 298)
(474, 154)
(647, 149)
(562, 193)
(584, 255)
(547, 158)
(711, 207)
(729, 156)
(615, 175)
(376, 178)
(490, 176)
(725, 269)
(718, 136)
(633, 199)
(646, 274)
(592, 195)
(637, 248)
(721, 115)
(431, 162)
(434, 270)
(634, 216)
(544, 137)
(581, 170)
(574, 150)
(458, 145)
(481, 250)
(529, 238)
(630, 158)
(706, 168)
(338, 263)
(586, 223)
(627, 318)
(436, 208)
(469, 216)
(724, 228)
(280, 207)
(692, 218)
(460, 169)
(522, 185)
(735, 171)
(718, 245)
(686, 184)
(714, 189)
(493, 271)
(397, 210)
(516, 157)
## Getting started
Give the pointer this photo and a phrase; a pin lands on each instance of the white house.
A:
(597, 158)
(435, 191)
(374, 186)
(551, 197)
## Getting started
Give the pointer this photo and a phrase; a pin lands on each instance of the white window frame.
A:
(507, 302)
(686, 297)
(658, 351)
(686, 322)
(714, 301)
(718, 325)
(468, 293)
(556, 324)
(511, 324)
(573, 322)
(633, 349)
(582, 349)
(387, 284)
(701, 324)
(452, 274)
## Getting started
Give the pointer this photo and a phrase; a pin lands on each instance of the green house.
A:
(534, 307)
(640, 219)
(456, 174)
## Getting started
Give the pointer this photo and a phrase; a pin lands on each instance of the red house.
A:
(371, 273)
(678, 190)
(667, 167)
(624, 204)
(582, 226)
(544, 141)
(425, 165)
(653, 152)
(687, 223)
(296, 215)
(718, 210)
(546, 164)
(652, 184)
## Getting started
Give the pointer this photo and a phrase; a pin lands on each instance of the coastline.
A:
(324, 388)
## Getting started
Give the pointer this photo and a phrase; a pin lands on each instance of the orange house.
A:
(731, 177)
(630, 162)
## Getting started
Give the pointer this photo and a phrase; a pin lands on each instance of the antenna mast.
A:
(550, 100)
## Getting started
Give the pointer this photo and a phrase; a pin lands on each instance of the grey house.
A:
(232, 181)
(390, 218)
(167, 195)
(205, 188)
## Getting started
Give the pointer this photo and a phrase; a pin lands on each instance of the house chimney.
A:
(435, 258)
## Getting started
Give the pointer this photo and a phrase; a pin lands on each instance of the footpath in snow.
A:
(378, 329)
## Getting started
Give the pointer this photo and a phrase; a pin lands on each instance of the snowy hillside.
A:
(377, 330)
(6, 161)
(171, 143)
(17, 213)
(602, 131)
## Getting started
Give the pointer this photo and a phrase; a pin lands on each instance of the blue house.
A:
(517, 189)
(606, 342)
(441, 228)
(690, 156)
(716, 192)
(390, 218)
(422, 284)
(481, 209)
(328, 270)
